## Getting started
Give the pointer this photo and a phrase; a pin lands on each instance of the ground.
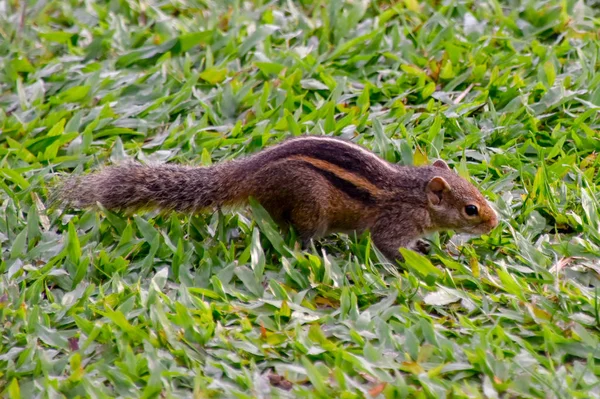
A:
(100, 304)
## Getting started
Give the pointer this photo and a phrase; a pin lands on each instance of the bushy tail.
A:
(132, 187)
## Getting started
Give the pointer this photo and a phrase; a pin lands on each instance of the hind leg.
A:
(293, 199)
(309, 220)
(302, 212)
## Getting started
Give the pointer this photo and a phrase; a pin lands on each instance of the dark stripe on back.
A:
(345, 186)
(338, 154)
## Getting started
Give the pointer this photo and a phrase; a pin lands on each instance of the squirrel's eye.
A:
(471, 210)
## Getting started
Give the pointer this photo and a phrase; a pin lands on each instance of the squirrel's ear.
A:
(436, 188)
(441, 164)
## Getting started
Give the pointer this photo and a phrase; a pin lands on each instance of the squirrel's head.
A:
(456, 204)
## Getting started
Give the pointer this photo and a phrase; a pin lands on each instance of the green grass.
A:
(97, 304)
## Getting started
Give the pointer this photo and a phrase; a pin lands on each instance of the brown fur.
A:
(319, 185)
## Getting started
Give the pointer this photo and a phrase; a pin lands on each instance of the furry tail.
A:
(132, 187)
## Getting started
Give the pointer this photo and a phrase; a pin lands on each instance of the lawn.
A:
(101, 304)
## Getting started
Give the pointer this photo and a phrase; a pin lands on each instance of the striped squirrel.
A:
(317, 184)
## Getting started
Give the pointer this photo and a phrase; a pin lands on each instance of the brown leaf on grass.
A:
(377, 389)
(280, 381)
(263, 331)
(73, 343)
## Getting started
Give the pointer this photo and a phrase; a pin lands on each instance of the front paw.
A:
(421, 246)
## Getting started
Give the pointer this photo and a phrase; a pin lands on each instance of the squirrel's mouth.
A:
(481, 228)
(486, 227)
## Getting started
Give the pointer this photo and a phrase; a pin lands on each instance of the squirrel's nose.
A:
(493, 220)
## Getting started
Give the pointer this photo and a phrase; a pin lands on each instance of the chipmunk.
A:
(319, 185)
